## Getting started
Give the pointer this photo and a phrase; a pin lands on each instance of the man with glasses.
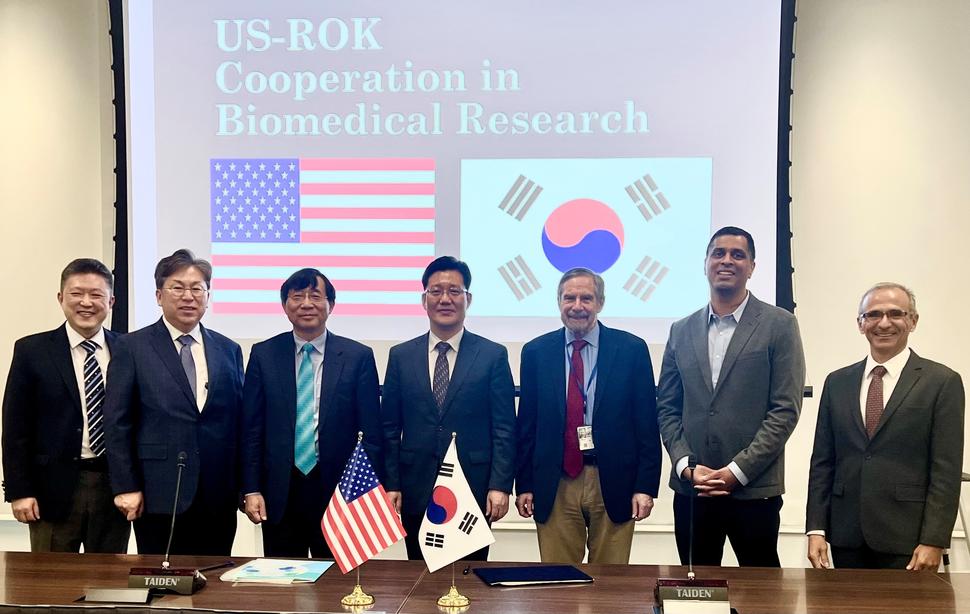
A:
(55, 473)
(174, 396)
(884, 483)
(588, 446)
(448, 380)
(308, 392)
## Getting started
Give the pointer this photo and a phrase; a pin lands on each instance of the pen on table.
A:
(219, 566)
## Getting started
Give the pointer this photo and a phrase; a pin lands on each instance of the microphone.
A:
(672, 593)
(181, 580)
(691, 464)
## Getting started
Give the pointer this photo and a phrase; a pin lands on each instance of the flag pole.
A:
(453, 599)
(358, 597)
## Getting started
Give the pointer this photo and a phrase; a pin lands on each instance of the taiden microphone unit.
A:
(181, 580)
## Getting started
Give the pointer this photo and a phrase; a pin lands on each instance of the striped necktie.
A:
(93, 396)
(304, 446)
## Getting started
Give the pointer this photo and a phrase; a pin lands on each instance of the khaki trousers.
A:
(579, 521)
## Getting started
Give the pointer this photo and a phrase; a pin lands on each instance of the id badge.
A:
(585, 434)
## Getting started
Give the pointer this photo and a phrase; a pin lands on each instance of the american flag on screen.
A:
(366, 223)
(359, 522)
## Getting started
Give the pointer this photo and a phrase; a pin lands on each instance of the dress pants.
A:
(579, 521)
(198, 531)
(94, 521)
(298, 532)
(865, 557)
(750, 524)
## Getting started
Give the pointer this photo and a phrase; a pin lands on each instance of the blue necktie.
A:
(93, 396)
(304, 446)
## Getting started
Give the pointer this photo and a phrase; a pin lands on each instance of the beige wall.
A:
(880, 185)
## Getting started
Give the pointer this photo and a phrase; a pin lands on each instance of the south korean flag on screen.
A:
(453, 525)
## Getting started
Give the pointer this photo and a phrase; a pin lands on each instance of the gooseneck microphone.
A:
(691, 464)
(182, 457)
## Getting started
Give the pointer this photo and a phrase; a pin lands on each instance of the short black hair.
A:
(85, 266)
(732, 231)
(447, 263)
(179, 260)
(305, 279)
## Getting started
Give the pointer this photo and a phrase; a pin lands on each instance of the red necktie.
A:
(572, 458)
(874, 404)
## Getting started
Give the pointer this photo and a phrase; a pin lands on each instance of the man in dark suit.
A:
(308, 393)
(884, 484)
(448, 380)
(174, 398)
(55, 472)
(588, 447)
(729, 397)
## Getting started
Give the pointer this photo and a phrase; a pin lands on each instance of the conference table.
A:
(52, 583)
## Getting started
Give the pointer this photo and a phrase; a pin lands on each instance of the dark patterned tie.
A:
(441, 377)
(93, 396)
(572, 458)
(188, 363)
(874, 404)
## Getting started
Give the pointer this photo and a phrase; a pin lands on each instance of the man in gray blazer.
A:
(884, 484)
(729, 397)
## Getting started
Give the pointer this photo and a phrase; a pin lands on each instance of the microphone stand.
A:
(184, 581)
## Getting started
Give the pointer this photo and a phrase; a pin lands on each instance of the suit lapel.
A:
(213, 361)
(419, 358)
(555, 356)
(333, 364)
(698, 334)
(908, 378)
(60, 355)
(283, 352)
(605, 358)
(848, 389)
(467, 353)
(165, 347)
(742, 334)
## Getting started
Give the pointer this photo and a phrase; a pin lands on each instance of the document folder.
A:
(525, 576)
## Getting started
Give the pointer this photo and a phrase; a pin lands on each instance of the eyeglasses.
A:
(299, 297)
(877, 315)
(454, 292)
(179, 291)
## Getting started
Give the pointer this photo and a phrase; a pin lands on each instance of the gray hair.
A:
(890, 285)
(598, 283)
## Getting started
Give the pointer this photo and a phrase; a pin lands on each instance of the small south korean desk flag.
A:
(453, 524)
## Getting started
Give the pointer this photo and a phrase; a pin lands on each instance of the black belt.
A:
(98, 464)
(589, 459)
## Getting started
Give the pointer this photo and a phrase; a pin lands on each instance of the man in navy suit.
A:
(308, 393)
(174, 397)
(448, 380)
(55, 472)
(588, 443)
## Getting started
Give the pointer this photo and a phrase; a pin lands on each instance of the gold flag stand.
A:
(453, 599)
(357, 597)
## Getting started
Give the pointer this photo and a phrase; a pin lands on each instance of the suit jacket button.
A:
(868, 456)
(441, 428)
(712, 412)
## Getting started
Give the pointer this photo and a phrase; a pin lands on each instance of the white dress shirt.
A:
(451, 356)
(78, 356)
(198, 355)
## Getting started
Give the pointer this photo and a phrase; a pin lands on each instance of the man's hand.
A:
(25, 509)
(925, 557)
(642, 505)
(523, 503)
(255, 507)
(131, 504)
(395, 498)
(712, 482)
(818, 552)
(497, 505)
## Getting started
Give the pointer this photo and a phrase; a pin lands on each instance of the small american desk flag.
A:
(359, 522)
